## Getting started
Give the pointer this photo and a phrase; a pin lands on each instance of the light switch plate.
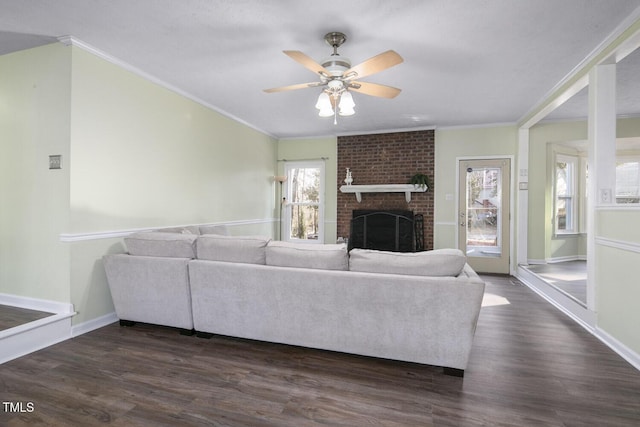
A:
(605, 195)
(55, 161)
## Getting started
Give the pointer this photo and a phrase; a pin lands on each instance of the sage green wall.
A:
(34, 201)
(143, 156)
(617, 243)
(315, 148)
(543, 138)
(617, 291)
(464, 142)
(617, 252)
(135, 155)
(542, 245)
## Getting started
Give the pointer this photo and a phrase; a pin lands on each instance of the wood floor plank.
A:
(530, 366)
(11, 317)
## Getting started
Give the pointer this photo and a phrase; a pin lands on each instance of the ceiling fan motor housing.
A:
(336, 64)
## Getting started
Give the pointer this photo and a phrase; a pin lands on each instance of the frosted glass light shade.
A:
(324, 105)
(346, 104)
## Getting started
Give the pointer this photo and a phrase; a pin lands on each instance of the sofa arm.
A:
(150, 289)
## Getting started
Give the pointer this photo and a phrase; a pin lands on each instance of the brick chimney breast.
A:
(389, 158)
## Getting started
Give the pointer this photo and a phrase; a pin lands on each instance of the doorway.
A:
(484, 213)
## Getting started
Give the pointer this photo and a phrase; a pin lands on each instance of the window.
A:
(628, 179)
(565, 189)
(305, 202)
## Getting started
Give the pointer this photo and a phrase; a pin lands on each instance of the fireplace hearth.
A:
(385, 230)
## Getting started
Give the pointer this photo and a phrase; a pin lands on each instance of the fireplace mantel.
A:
(407, 189)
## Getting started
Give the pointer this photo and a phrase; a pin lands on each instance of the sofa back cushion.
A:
(162, 244)
(308, 255)
(244, 249)
(214, 229)
(186, 229)
(438, 262)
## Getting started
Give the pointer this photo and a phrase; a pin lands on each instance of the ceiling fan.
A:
(340, 78)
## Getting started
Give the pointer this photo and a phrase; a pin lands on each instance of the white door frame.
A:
(512, 216)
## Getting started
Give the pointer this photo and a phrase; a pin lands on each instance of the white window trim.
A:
(321, 204)
(575, 206)
(583, 194)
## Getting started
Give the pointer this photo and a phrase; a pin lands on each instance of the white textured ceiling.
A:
(466, 62)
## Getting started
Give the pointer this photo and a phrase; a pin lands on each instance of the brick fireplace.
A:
(390, 158)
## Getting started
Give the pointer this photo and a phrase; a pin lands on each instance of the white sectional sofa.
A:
(418, 307)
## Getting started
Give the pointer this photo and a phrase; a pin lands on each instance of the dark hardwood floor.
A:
(530, 366)
(11, 317)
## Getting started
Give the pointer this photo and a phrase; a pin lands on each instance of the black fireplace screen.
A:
(385, 230)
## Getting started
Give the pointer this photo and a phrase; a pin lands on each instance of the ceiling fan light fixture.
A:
(339, 77)
(346, 104)
(326, 112)
(324, 105)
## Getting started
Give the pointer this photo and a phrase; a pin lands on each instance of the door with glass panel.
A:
(483, 214)
(304, 204)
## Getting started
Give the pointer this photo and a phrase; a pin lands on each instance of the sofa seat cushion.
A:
(308, 255)
(156, 243)
(243, 249)
(438, 262)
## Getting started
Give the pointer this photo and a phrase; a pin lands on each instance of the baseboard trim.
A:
(566, 259)
(625, 352)
(36, 304)
(93, 324)
(33, 336)
(580, 315)
(562, 302)
(39, 334)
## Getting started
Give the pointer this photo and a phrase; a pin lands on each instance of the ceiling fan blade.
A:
(293, 87)
(374, 89)
(307, 62)
(374, 65)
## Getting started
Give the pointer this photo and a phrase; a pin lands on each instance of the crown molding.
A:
(72, 41)
(552, 99)
(480, 126)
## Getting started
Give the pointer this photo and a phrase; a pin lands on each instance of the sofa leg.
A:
(454, 372)
(127, 322)
(205, 335)
(187, 332)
